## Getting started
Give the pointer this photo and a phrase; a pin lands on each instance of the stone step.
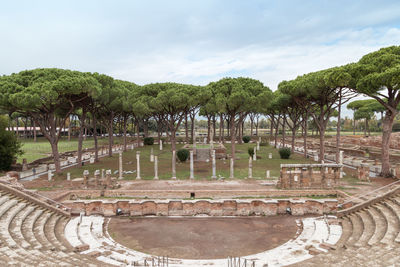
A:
(369, 228)
(28, 228)
(16, 227)
(396, 209)
(392, 224)
(380, 226)
(358, 228)
(49, 231)
(347, 229)
(38, 230)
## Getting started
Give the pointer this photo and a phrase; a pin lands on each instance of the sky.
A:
(194, 41)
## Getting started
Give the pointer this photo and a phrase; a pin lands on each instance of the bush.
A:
(10, 147)
(285, 152)
(183, 154)
(251, 151)
(148, 141)
(264, 144)
(246, 139)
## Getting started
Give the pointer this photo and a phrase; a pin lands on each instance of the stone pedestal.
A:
(363, 172)
(108, 178)
(102, 174)
(24, 165)
(96, 177)
(267, 174)
(49, 175)
(68, 176)
(85, 178)
(270, 155)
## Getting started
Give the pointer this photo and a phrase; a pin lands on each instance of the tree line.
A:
(50, 96)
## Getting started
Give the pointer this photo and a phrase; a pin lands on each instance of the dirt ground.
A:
(203, 238)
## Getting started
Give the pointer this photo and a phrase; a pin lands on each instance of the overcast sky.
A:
(194, 41)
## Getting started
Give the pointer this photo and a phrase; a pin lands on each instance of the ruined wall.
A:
(259, 207)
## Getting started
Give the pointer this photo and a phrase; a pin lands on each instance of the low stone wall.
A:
(182, 194)
(227, 207)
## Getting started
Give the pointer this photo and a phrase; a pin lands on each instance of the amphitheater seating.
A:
(32, 235)
(89, 230)
(371, 237)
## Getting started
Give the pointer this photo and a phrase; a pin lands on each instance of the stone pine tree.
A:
(48, 96)
(378, 76)
(10, 147)
(235, 96)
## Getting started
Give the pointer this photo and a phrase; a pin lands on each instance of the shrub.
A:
(251, 151)
(183, 154)
(10, 147)
(148, 141)
(285, 152)
(246, 139)
(264, 144)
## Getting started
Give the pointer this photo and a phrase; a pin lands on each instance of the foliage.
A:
(148, 141)
(183, 154)
(10, 147)
(246, 139)
(284, 152)
(250, 150)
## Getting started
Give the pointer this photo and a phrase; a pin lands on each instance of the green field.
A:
(41, 148)
(203, 170)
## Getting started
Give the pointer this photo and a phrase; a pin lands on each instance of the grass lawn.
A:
(41, 148)
(203, 170)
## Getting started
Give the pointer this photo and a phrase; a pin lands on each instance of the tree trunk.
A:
(338, 126)
(208, 128)
(221, 126)
(321, 143)
(186, 129)
(192, 120)
(138, 133)
(233, 137)
(276, 131)
(387, 131)
(56, 155)
(34, 132)
(125, 141)
(251, 126)
(110, 134)
(365, 128)
(354, 125)
(369, 131)
(69, 128)
(305, 136)
(96, 145)
(80, 139)
(283, 131)
(214, 127)
(293, 138)
(257, 126)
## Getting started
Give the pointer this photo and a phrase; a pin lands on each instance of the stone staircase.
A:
(33, 235)
(371, 236)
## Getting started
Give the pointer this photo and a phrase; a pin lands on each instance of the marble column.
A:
(155, 167)
(161, 145)
(49, 175)
(151, 155)
(120, 171)
(250, 168)
(138, 165)
(191, 165)
(232, 175)
(68, 176)
(267, 174)
(255, 154)
(108, 178)
(214, 166)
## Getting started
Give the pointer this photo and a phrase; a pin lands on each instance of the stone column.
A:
(255, 154)
(173, 164)
(138, 165)
(267, 174)
(258, 145)
(120, 171)
(191, 165)
(232, 175)
(68, 176)
(108, 178)
(250, 168)
(102, 174)
(214, 166)
(161, 145)
(49, 175)
(85, 178)
(155, 167)
(341, 163)
(151, 155)
(96, 177)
